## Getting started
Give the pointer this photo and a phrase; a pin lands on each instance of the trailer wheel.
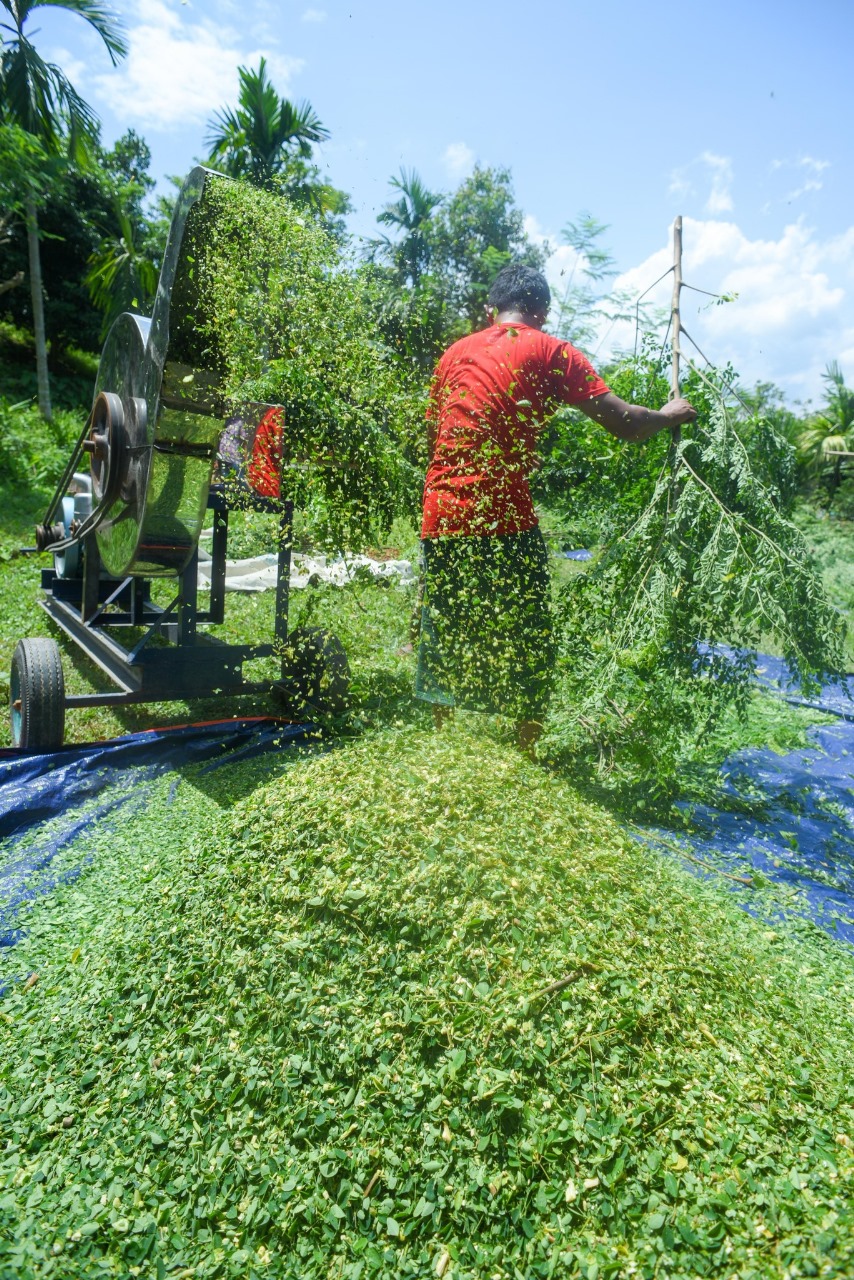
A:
(37, 695)
(316, 673)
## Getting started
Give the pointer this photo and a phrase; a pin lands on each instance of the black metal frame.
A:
(191, 664)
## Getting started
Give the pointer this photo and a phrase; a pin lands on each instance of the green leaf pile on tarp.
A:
(415, 1008)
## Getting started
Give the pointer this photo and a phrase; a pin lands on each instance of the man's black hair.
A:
(519, 288)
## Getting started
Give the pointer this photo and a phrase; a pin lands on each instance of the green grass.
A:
(831, 540)
(301, 1021)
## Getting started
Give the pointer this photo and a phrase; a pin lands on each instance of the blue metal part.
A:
(15, 704)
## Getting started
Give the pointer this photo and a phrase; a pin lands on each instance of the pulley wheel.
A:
(37, 695)
(105, 446)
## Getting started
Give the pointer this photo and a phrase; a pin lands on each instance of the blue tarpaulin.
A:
(801, 832)
(790, 817)
(48, 801)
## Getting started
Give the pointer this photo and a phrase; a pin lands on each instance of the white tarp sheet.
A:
(259, 573)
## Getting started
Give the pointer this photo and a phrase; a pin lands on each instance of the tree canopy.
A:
(433, 271)
(38, 95)
(101, 240)
(39, 98)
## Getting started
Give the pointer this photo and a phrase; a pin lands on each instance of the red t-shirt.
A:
(265, 464)
(491, 393)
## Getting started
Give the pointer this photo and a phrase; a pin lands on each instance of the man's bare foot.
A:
(441, 716)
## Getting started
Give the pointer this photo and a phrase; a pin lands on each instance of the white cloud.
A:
(314, 15)
(812, 184)
(794, 310)
(720, 200)
(458, 159)
(795, 305)
(718, 169)
(180, 69)
(802, 162)
(679, 185)
(806, 168)
(74, 68)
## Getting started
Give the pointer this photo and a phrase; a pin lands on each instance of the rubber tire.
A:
(317, 675)
(38, 685)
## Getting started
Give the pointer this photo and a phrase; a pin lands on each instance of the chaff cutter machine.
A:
(151, 443)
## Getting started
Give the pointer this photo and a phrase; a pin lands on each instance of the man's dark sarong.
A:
(486, 627)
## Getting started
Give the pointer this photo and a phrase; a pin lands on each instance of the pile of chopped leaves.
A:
(416, 1008)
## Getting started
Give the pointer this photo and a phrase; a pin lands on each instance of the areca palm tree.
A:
(409, 216)
(39, 98)
(260, 138)
(830, 434)
(122, 273)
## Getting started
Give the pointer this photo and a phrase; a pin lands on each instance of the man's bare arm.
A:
(635, 422)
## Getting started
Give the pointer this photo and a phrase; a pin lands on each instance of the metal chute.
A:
(156, 419)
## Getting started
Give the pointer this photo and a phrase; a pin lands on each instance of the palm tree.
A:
(264, 134)
(39, 98)
(830, 435)
(410, 215)
(122, 273)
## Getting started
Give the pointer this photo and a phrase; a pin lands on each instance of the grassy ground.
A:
(831, 540)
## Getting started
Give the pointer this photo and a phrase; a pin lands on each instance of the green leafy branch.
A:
(660, 638)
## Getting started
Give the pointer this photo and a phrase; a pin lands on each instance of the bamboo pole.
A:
(675, 321)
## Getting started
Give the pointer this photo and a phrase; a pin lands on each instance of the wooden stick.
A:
(710, 866)
(683, 853)
(676, 327)
(675, 322)
(554, 987)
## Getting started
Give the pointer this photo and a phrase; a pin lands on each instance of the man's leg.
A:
(527, 736)
(441, 716)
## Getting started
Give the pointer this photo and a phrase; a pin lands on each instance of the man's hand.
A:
(679, 412)
(635, 422)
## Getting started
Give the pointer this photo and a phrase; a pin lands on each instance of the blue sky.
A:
(738, 116)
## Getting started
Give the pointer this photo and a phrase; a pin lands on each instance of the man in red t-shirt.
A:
(486, 635)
